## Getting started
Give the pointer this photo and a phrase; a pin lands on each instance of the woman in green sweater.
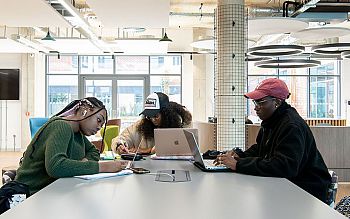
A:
(60, 149)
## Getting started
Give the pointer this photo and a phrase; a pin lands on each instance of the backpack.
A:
(343, 206)
(11, 194)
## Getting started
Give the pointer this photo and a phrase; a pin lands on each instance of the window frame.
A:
(337, 76)
(81, 76)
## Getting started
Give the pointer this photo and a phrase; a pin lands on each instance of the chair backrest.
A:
(112, 131)
(332, 190)
(35, 124)
(117, 122)
(98, 145)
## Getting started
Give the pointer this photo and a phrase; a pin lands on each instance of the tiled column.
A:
(230, 74)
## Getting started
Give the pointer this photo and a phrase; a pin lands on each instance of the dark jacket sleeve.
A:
(285, 159)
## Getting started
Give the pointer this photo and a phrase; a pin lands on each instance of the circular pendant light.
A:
(331, 48)
(345, 54)
(288, 63)
(320, 33)
(255, 58)
(267, 26)
(205, 43)
(275, 50)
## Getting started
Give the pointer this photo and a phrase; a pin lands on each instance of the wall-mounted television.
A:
(9, 84)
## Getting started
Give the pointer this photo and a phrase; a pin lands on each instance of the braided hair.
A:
(72, 108)
(173, 115)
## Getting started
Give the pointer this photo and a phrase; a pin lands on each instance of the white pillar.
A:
(230, 77)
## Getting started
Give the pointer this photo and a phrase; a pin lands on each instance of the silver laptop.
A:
(205, 165)
(172, 141)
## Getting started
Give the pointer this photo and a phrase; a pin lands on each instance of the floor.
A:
(12, 159)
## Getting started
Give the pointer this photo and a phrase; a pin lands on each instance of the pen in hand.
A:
(122, 148)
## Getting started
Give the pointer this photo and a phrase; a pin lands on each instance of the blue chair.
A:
(35, 124)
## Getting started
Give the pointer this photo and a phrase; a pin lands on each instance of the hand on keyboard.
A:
(227, 160)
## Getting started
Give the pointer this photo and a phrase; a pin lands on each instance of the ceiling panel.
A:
(11, 46)
(71, 45)
(29, 13)
(139, 46)
(132, 13)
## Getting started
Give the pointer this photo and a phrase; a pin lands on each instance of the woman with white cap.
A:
(158, 112)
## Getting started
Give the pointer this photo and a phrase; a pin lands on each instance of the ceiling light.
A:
(255, 59)
(86, 30)
(276, 50)
(165, 37)
(288, 63)
(134, 29)
(320, 33)
(345, 54)
(331, 49)
(48, 36)
(206, 43)
(267, 25)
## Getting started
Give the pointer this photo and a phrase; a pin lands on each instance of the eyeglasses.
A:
(260, 103)
(153, 117)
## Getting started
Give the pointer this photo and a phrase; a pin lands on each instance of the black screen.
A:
(9, 84)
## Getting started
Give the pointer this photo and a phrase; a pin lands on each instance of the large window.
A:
(62, 82)
(120, 82)
(96, 64)
(315, 92)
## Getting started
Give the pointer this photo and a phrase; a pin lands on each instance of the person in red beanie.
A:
(285, 146)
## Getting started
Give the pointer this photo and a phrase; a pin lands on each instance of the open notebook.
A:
(104, 175)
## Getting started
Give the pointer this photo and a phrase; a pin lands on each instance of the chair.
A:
(332, 190)
(35, 124)
(112, 131)
(343, 206)
(98, 145)
(117, 122)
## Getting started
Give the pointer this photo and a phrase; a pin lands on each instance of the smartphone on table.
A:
(139, 170)
(134, 157)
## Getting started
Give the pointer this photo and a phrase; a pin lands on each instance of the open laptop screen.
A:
(172, 141)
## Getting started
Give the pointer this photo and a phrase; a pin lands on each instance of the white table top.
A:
(207, 195)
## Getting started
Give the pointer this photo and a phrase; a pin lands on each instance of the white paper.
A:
(104, 175)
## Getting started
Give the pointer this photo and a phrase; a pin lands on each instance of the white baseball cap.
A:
(154, 103)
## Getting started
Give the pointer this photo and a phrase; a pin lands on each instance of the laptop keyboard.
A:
(210, 163)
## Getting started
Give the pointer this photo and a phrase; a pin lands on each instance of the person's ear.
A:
(277, 103)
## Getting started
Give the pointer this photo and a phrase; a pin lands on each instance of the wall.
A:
(11, 109)
(203, 80)
(15, 114)
(345, 81)
(33, 102)
(39, 88)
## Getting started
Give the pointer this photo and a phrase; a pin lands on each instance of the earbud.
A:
(84, 113)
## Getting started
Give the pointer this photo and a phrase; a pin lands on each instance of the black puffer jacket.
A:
(286, 148)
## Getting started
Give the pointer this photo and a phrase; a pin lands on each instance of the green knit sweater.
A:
(58, 152)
